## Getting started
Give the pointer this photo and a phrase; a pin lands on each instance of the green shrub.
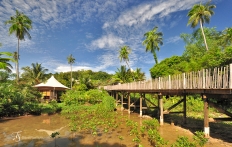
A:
(108, 103)
(32, 108)
(199, 138)
(94, 96)
(152, 124)
(183, 141)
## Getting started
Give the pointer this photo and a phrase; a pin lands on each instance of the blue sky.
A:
(93, 31)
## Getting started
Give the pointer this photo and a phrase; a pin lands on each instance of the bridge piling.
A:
(123, 94)
(160, 97)
(206, 116)
(140, 105)
(184, 108)
(128, 103)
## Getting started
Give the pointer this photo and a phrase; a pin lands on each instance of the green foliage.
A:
(97, 78)
(15, 99)
(123, 75)
(53, 135)
(152, 41)
(200, 139)
(32, 108)
(194, 104)
(155, 138)
(50, 108)
(152, 124)
(5, 58)
(183, 141)
(195, 57)
(72, 97)
(34, 74)
(80, 87)
(108, 103)
(94, 96)
(168, 66)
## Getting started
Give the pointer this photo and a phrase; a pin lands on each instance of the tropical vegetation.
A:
(71, 61)
(35, 74)
(88, 106)
(20, 26)
(201, 14)
(152, 41)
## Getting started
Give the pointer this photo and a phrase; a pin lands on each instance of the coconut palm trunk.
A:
(71, 60)
(71, 76)
(203, 34)
(17, 63)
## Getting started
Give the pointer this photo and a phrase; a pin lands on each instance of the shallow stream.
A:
(35, 131)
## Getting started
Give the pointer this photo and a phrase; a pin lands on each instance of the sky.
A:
(94, 30)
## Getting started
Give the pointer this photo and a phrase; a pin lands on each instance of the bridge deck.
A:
(206, 81)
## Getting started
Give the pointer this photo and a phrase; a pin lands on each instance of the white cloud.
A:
(145, 12)
(173, 39)
(108, 41)
(66, 68)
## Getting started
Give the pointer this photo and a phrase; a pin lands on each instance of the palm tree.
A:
(227, 36)
(71, 60)
(20, 25)
(34, 74)
(122, 75)
(124, 54)
(152, 41)
(4, 61)
(86, 81)
(139, 75)
(15, 57)
(200, 14)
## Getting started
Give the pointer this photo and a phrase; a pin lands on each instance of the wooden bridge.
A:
(210, 83)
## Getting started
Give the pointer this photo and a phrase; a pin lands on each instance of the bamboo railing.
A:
(218, 78)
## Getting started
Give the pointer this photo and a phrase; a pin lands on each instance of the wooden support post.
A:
(128, 103)
(158, 105)
(116, 99)
(161, 109)
(230, 78)
(184, 108)
(206, 116)
(141, 105)
(122, 101)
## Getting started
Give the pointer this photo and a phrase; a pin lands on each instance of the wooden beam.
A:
(173, 106)
(219, 109)
(219, 119)
(150, 102)
(166, 112)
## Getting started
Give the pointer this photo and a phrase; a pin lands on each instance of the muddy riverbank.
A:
(36, 131)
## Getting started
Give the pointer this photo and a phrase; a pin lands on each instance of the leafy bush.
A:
(72, 97)
(94, 96)
(16, 99)
(51, 107)
(108, 103)
(152, 124)
(32, 108)
(183, 141)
